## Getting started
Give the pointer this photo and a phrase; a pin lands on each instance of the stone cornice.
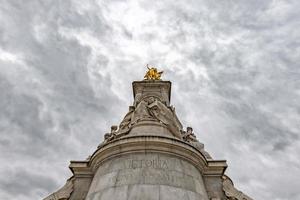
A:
(80, 168)
(142, 144)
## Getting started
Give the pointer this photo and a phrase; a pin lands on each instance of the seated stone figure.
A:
(109, 136)
(141, 111)
(166, 116)
(136, 113)
(190, 137)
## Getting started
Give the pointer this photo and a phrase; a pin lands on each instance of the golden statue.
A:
(152, 74)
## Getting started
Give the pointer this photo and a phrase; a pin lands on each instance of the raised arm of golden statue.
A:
(152, 74)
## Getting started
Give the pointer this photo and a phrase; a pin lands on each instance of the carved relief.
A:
(151, 109)
(231, 192)
(64, 193)
(141, 111)
(138, 96)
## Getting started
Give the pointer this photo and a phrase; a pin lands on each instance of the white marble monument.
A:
(149, 157)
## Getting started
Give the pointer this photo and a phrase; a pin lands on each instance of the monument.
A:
(149, 156)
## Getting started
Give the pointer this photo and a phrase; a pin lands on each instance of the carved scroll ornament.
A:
(63, 193)
(231, 192)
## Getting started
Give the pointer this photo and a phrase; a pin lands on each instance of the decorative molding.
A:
(168, 145)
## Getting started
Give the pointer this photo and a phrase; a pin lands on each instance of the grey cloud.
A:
(233, 66)
(260, 127)
(21, 112)
(25, 183)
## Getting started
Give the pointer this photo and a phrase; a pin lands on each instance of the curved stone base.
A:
(145, 192)
(153, 176)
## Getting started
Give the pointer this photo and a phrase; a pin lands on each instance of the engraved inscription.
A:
(154, 176)
(153, 171)
(147, 169)
(151, 163)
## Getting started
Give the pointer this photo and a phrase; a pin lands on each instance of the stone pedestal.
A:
(157, 89)
(150, 167)
(153, 176)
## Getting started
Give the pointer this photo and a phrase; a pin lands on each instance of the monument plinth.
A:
(149, 157)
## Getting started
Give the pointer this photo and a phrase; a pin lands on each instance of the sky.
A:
(66, 69)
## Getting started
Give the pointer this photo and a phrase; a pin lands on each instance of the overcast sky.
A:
(66, 69)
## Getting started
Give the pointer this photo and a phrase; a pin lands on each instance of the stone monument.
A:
(149, 156)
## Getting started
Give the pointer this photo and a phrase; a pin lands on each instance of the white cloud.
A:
(10, 57)
(67, 66)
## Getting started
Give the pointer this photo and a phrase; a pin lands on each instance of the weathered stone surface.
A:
(147, 174)
(214, 187)
(81, 187)
(157, 129)
(231, 192)
(158, 89)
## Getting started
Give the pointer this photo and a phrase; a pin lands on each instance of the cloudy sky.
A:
(66, 69)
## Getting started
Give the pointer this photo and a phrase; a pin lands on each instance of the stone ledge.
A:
(80, 168)
(166, 145)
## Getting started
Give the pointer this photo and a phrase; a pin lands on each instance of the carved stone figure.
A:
(231, 192)
(150, 108)
(126, 123)
(141, 112)
(165, 115)
(191, 138)
(109, 136)
(63, 193)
